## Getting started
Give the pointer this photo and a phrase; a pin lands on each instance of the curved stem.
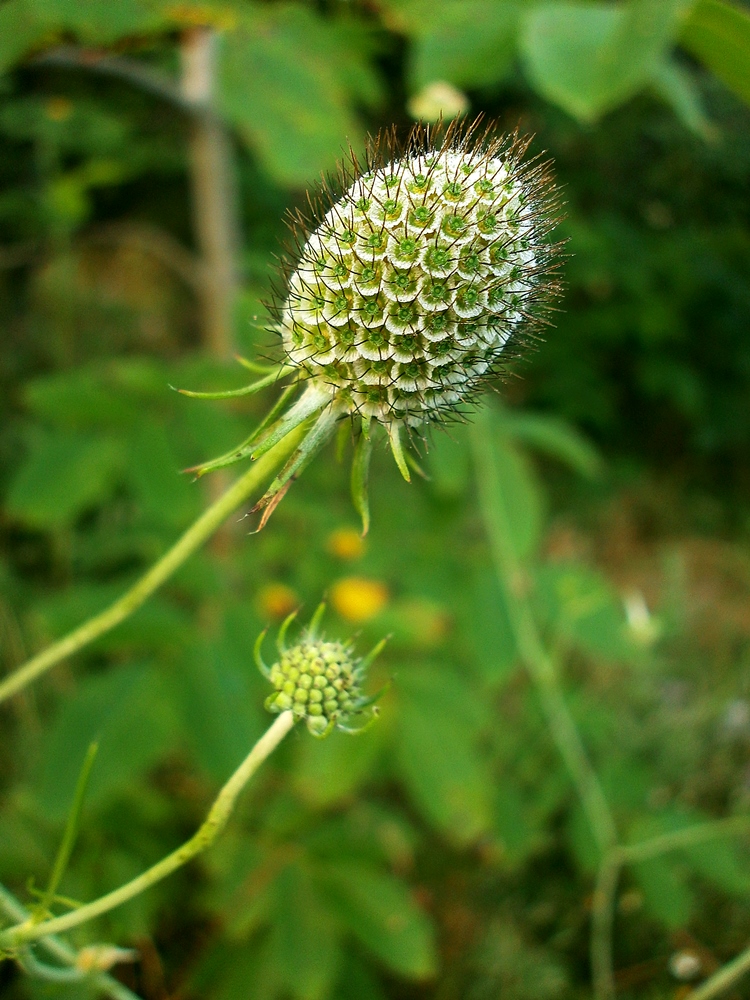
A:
(602, 922)
(58, 949)
(206, 834)
(727, 976)
(123, 607)
(531, 649)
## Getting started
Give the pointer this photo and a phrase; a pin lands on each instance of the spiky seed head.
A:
(424, 276)
(320, 681)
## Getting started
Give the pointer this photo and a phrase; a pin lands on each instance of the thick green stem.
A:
(721, 981)
(58, 949)
(206, 834)
(255, 478)
(531, 649)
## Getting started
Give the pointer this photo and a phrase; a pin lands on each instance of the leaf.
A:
(99, 21)
(588, 58)
(380, 912)
(304, 937)
(20, 31)
(554, 437)
(676, 85)
(127, 712)
(468, 42)
(80, 399)
(284, 78)
(522, 497)
(62, 476)
(718, 34)
(448, 463)
(327, 771)
(666, 893)
(437, 754)
(485, 627)
(165, 496)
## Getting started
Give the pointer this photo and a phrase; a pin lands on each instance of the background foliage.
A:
(443, 853)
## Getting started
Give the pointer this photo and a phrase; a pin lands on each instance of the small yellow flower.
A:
(358, 599)
(346, 543)
(276, 600)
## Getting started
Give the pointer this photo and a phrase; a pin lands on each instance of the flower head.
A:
(319, 680)
(422, 277)
(409, 289)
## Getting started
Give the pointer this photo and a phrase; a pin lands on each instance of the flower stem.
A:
(535, 657)
(206, 834)
(123, 607)
(58, 949)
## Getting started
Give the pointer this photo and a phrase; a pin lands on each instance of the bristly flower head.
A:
(427, 271)
(319, 680)
(409, 289)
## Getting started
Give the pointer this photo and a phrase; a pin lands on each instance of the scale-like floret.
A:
(419, 279)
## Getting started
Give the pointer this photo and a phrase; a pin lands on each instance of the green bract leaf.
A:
(588, 58)
(719, 35)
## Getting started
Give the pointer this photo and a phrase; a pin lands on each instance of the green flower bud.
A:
(319, 680)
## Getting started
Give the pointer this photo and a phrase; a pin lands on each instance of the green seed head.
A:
(424, 241)
(320, 681)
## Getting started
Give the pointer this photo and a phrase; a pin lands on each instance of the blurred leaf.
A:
(304, 936)
(357, 981)
(553, 437)
(165, 496)
(82, 398)
(448, 463)
(327, 771)
(515, 823)
(676, 85)
(127, 712)
(285, 75)
(581, 604)
(468, 42)
(718, 34)
(379, 911)
(666, 894)
(20, 30)
(588, 58)
(522, 497)
(484, 626)
(62, 476)
(438, 733)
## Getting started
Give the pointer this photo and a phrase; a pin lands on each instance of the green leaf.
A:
(666, 894)
(449, 464)
(438, 732)
(553, 437)
(165, 496)
(80, 399)
(718, 34)
(675, 84)
(126, 711)
(588, 58)
(381, 914)
(304, 936)
(327, 771)
(485, 629)
(521, 496)
(99, 21)
(467, 42)
(62, 476)
(285, 75)
(20, 31)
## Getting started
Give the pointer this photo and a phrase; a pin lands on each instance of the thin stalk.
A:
(727, 976)
(58, 949)
(209, 830)
(123, 607)
(535, 657)
(602, 924)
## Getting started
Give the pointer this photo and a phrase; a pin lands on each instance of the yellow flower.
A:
(358, 599)
(346, 543)
(276, 600)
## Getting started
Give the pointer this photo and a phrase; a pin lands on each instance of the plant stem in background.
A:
(536, 659)
(193, 538)
(59, 950)
(213, 200)
(206, 834)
